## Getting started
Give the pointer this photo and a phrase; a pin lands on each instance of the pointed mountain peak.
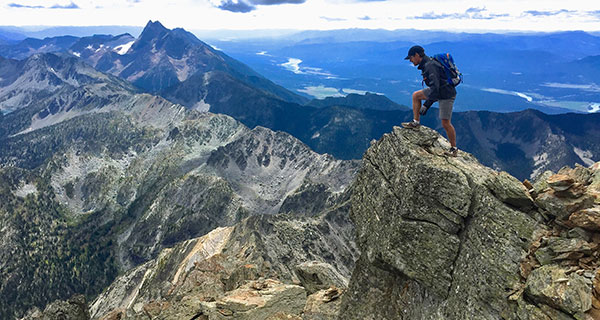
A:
(156, 26)
(153, 29)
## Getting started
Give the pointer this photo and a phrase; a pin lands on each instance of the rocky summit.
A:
(448, 238)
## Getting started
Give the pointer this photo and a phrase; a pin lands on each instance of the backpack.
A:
(453, 76)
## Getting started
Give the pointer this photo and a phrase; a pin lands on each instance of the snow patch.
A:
(77, 54)
(540, 162)
(26, 190)
(201, 106)
(585, 156)
(122, 49)
(540, 159)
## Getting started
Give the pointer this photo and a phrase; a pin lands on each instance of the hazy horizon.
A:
(458, 15)
(135, 30)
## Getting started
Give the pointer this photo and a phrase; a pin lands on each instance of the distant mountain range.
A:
(185, 70)
(503, 72)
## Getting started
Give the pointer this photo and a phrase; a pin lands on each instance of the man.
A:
(438, 89)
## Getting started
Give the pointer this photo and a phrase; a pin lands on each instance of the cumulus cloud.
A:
(249, 5)
(236, 6)
(71, 5)
(471, 13)
(16, 5)
(330, 19)
(546, 13)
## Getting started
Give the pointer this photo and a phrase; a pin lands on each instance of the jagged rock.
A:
(315, 276)
(575, 191)
(75, 308)
(579, 233)
(260, 300)
(554, 314)
(561, 208)
(552, 286)
(323, 305)
(509, 190)
(586, 218)
(579, 173)
(544, 256)
(429, 229)
(560, 182)
(562, 245)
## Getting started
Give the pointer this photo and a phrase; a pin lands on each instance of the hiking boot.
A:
(410, 125)
(452, 152)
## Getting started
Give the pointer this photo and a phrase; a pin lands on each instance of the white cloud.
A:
(314, 14)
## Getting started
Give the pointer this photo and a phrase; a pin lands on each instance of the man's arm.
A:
(434, 79)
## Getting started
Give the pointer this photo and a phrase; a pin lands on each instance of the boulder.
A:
(564, 245)
(587, 218)
(561, 208)
(579, 173)
(315, 276)
(575, 191)
(551, 285)
(509, 190)
(261, 300)
(560, 182)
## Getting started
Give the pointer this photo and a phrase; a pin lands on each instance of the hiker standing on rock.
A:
(438, 89)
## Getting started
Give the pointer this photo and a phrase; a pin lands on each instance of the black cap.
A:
(414, 50)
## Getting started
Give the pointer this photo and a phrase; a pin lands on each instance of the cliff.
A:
(448, 238)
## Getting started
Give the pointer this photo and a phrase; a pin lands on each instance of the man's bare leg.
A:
(450, 132)
(417, 98)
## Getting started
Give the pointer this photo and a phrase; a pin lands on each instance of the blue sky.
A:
(537, 15)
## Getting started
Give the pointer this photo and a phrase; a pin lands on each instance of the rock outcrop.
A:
(448, 238)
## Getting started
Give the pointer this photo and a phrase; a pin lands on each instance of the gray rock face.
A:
(440, 237)
(569, 293)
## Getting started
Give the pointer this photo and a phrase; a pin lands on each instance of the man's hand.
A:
(425, 107)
